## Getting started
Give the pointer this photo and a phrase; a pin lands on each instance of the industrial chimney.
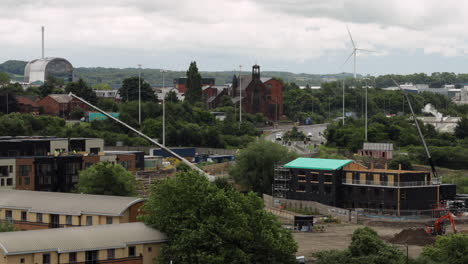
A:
(43, 42)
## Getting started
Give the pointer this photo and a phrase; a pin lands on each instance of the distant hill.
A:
(115, 76)
(13, 67)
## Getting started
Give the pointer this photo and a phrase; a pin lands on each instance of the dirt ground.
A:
(339, 237)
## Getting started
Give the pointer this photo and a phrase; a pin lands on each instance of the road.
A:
(316, 130)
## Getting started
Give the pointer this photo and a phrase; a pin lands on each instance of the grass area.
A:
(458, 178)
(329, 153)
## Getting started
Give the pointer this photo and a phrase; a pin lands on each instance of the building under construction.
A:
(346, 184)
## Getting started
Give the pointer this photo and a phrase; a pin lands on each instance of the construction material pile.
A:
(413, 236)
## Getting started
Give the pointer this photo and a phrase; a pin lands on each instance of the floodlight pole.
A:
(240, 95)
(139, 94)
(164, 112)
(343, 102)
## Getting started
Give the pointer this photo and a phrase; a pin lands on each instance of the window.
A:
(94, 150)
(328, 178)
(20, 181)
(88, 164)
(9, 182)
(89, 220)
(8, 215)
(27, 181)
(314, 188)
(72, 257)
(108, 220)
(10, 169)
(131, 251)
(24, 216)
(150, 249)
(301, 188)
(24, 170)
(314, 176)
(4, 171)
(39, 217)
(46, 258)
(68, 220)
(111, 253)
(22, 260)
(3, 182)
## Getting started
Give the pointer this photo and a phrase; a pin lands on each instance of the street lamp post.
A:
(139, 94)
(240, 95)
(164, 112)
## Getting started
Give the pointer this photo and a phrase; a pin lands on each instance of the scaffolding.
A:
(281, 182)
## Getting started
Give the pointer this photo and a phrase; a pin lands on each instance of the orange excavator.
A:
(439, 225)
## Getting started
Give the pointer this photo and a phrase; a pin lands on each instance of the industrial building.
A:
(130, 243)
(29, 210)
(40, 70)
(346, 184)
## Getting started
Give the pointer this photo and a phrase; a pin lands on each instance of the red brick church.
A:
(259, 95)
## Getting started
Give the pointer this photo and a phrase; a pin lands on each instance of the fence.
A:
(343, 215)
(209, 151)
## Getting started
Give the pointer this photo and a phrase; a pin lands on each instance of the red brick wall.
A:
(209, 92)
(30, 225)
(50, 106)
(181, 88)
(21, 184)
(90, 159)
(130, 158)
(134, 212)
(275, 91)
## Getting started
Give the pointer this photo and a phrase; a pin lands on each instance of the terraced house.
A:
(130, 243)
(42, 210)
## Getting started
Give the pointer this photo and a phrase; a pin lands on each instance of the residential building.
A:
(346, 184)
(132, 243)
(181, 83)
(60, 105)
(259, 95)
(40, 210)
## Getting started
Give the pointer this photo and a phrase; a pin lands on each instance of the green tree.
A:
(129, 90)
(450, 249)
(255, 164)
(461, 130)
(194, 85)
(208, 224)
(46, 88)
(171, 96)
(102, 86)
(404, 160)
(107, 179)
(366, 247)
(6, 226)
(81, 89)
(4, 78)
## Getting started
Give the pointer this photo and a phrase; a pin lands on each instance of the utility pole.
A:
(343, 102)
(365, 139)
(139, 94)
(164, 112)
(7, 110)
(240, 95)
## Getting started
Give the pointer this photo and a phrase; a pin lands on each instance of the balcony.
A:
(387, 183)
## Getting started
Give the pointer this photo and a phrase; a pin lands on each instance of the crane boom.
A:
(192, 166)
(428, 154)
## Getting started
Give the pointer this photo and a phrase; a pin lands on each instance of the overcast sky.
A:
(289, 35)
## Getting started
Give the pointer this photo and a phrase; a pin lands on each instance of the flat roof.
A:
(317, 164)
(75, 239)
(66, 203)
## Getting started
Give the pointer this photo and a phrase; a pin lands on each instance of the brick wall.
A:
(21, 181)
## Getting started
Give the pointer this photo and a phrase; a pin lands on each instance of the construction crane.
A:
(438, 228)
(428, 154)
(191, 165)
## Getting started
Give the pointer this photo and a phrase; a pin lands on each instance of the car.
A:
(309, 135)
(279, 136)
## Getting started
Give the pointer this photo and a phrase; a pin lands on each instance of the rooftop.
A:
(60, 203)
(317, 164)
(76, 239)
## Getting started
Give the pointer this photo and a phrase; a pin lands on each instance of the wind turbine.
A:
(354, 52)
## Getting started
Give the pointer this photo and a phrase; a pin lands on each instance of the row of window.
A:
(314, 189)
(54, 218)
(90, 256)
(5, 171)
(314, 176)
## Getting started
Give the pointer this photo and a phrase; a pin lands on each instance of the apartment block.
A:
(41, 210)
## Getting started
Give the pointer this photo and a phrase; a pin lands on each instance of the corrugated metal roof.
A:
(378, 146)
(76, 239)
(61, 98)
(317, 164)
(66, 203)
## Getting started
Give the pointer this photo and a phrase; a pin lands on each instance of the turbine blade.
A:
(351, 37)
(352, 53)
(367, 50)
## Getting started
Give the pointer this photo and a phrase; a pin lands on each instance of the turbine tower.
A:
(354, 52)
